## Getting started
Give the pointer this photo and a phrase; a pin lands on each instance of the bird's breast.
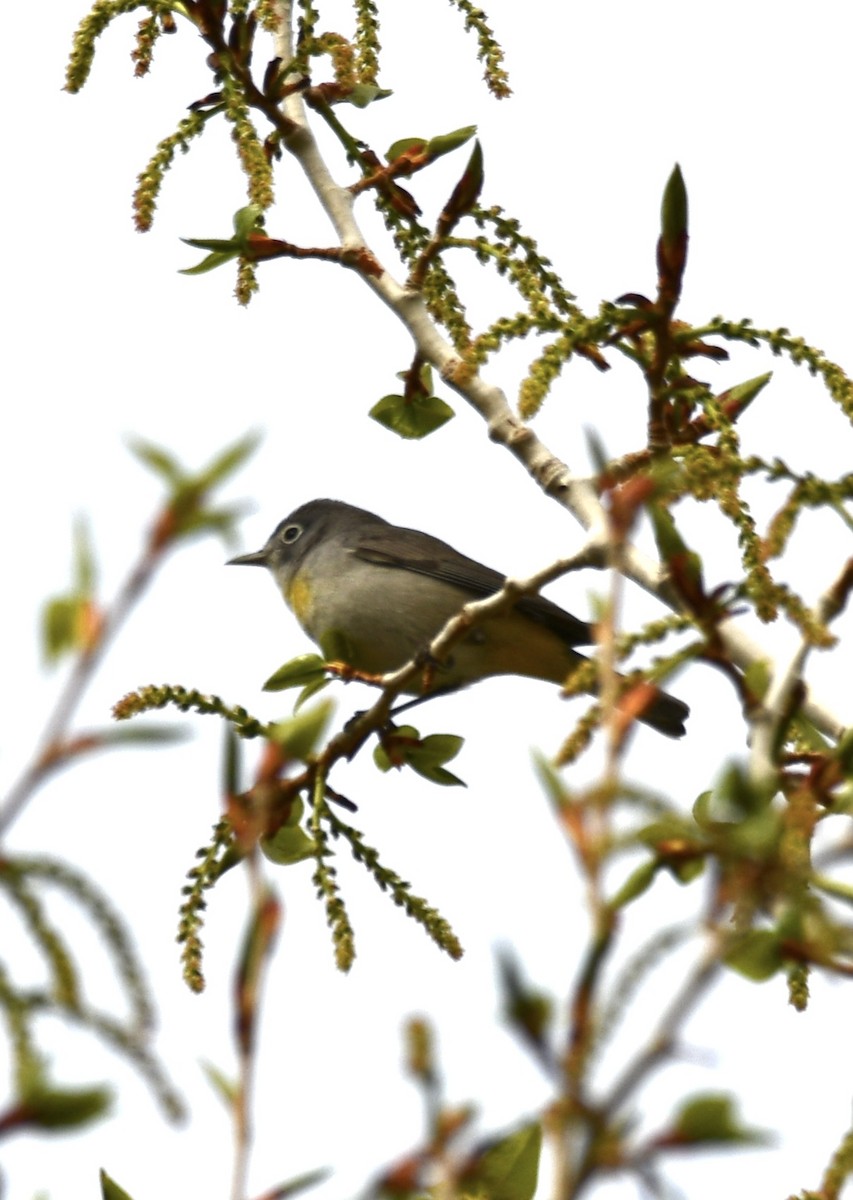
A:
(298, 595)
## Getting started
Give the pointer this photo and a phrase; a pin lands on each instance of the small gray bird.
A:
(384, 592)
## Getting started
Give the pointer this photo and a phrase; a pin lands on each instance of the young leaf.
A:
(288, 845)
(402, 145)
(467, 191)
(56, 1108)
(713, 1118)
(403, 746)
(225, 1088)
(300, 734)
(216, 259)
(229, 460)
(447, 142)
(365, 93)
(59, 626)
(509, 1168)
(110, 1190)
(414, 418)
(246, 221)
(639, 881)
(310, 690)
(160, 461)
(303, 671)
(755, 954)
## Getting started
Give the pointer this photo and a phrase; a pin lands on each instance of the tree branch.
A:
(574, 493)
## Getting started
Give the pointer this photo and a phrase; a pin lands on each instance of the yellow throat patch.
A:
(298, 596)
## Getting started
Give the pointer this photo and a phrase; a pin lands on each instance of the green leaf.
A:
(414, 418)
(217, 259)
(447, 142)
(402, 145)
(288, 847)
(439, 775)
(687, 870)
(303, 671)
(366, 93)
(381, 759)
(246, 221)
(674, 550)
(393, 748)
(290, 844)
(743, 394)
(226, 1089)
(403, 746)
(525, 1008)
(438, 747)
(57, 1109)
(639, 881)
(300, 734)
(811, 736)
(702, 810)
(551, 782)
(668, 827)
(110, 1190)
(59, 626)
(508, 1169)
(160, 461)
(229, 460)
(212, 520)
(308, 691)
(756, 954)
(713, 1117)
(431, 753)
(217, 245)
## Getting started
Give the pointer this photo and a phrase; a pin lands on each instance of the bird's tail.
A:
(664, 713)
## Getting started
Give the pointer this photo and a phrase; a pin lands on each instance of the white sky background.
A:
(105, 339)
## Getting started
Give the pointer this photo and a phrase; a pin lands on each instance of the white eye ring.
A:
(290, 533)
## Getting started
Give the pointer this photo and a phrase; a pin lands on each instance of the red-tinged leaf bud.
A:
(467, 191)
(627, 501)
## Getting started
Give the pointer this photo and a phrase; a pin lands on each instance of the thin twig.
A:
(661, 1044)
(771, 715)
(52, 743)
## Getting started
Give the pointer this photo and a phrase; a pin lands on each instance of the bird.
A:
(379, 593)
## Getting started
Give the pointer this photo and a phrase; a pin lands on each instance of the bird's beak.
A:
(258, 558)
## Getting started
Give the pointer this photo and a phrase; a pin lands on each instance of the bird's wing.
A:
(416, 551)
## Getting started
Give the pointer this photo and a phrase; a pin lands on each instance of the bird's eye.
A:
(290, 533)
